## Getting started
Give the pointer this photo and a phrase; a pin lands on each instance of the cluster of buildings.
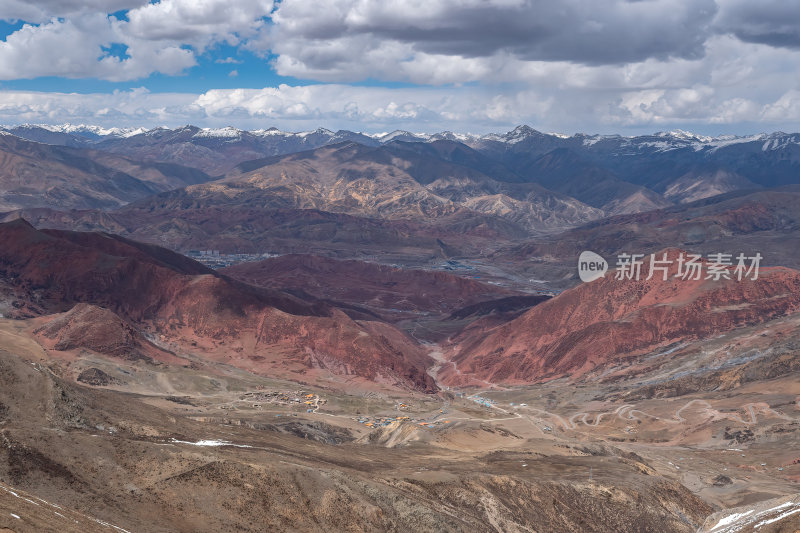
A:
(298, 398)
(214, 259)
(486, 402)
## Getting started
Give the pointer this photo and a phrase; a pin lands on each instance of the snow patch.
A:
(224, 133)
(270, 132)
(318, 131)
(777, 518)
(211, 443)
(402, 133)
(730, 519)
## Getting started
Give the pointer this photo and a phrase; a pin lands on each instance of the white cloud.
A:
(137, 106)
(31, 51)
(198, 22)
(163, 37)
(786, 108)
(469, 109)
(408, 40)
(480, 64)
(44, 10)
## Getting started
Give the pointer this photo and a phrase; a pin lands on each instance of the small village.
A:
(312, 402)
(214, 259)
(298, 398)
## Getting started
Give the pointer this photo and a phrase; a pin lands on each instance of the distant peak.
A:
(523, 130)
(318, 131)
(521, 133)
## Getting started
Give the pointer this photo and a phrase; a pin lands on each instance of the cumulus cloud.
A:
(37, 11)
(469, 109)
(287, 107)
(198, 23)
(349, 37)
(137, 106)
(164, 37)
(786, 108)
(80, 43)
(571, 65)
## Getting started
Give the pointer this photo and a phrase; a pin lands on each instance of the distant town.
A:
(214, 259)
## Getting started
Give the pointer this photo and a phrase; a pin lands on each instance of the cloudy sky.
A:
(595, 66)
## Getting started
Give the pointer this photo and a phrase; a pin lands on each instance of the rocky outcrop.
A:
(94, 328)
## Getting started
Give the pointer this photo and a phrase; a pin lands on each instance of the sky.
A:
(594, 66)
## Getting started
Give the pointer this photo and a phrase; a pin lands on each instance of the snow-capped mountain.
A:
(664, 140)
(656, 161)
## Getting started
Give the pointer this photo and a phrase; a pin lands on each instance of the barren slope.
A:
(256, 328)
(381, 287)
(598, 323)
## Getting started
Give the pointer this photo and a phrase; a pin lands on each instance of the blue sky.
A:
(604, 66)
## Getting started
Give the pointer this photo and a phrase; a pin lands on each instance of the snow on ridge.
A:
(739, 518)
(133, 131)
(451, 135)
(78, 129)
(518, 134)
(269, 132)
(492, 137)
(659, 141)
(683, 135)
(317, 131)
(228, 132)
(590, 140)
(402, 133)
(730, 519)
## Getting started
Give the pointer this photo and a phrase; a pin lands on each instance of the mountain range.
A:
(611, 172)
(216, 329)
(398, 193)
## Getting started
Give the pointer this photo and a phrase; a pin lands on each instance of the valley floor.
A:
(219, 449)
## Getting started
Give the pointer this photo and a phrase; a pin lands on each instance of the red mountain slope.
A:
(598, 323)
(100, 330)
(263, 330)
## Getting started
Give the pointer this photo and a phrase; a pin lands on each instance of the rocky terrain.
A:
(385, 183)
(115, 458)
(677, 165)
(586, 328)
(95, 328)
(182, 301)
(403, 197)
(416, 352)
(33, 174)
